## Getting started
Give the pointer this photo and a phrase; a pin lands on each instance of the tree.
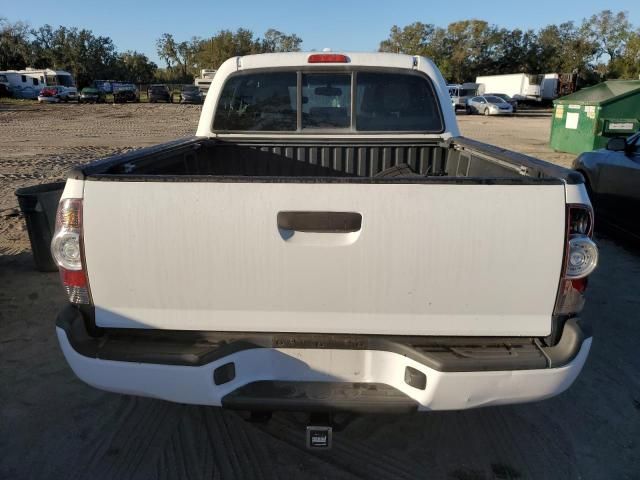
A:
(81, 52)
(515, 51)
(14, 45)
(167, 49)
(414, 39)
(179, 56)
(565, 48)
(276, 41)
(470, 45)
(136, 67)
(608, 31)
(226, 44)
(627, 64)
(468, 48)
(461, 50)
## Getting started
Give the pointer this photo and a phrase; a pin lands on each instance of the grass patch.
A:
(16, 101)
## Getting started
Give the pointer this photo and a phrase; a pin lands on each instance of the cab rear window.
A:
(258, 102)
(360, 101)
(396, 102)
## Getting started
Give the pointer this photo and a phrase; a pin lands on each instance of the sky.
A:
(347, 25)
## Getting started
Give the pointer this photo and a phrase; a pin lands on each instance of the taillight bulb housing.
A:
(67, 250)
(581, 258)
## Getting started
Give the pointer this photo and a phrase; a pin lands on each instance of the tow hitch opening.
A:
(319, 437)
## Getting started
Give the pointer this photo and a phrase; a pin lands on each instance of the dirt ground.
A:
(52, 426)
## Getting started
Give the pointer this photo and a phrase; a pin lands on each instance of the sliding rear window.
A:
(379, 102)
(326, 100)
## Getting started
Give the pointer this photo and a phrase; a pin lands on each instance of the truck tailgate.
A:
(426, 259)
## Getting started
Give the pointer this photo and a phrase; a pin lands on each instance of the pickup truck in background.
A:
(326, 242)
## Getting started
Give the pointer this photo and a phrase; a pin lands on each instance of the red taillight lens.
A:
(67, 249)
(580, 259)
(73, 278)
(327, 58)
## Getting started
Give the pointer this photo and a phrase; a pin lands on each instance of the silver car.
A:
(489, 105)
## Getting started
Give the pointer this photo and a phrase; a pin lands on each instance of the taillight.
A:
(67, 250)
(327, 58)
(580, 259)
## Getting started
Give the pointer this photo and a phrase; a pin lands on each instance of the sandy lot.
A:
(54, 426)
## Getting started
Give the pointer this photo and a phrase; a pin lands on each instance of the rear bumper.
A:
(254, 377)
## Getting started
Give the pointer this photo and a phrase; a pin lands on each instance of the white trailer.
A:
(203, 82)
(521, 86)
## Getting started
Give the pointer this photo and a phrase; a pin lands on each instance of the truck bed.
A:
(429, 160)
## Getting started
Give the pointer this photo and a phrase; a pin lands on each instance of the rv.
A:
(461, 93)
(5, 89)
(28, 83)
(203, 82)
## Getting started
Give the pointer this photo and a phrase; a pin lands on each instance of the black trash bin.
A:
(39, 205)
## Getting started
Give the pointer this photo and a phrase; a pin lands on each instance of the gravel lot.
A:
(54, 426)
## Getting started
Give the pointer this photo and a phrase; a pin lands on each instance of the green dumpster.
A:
(588, 118)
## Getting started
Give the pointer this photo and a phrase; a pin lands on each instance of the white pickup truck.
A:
(326, 242)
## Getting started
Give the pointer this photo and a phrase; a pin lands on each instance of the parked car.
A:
(68, 94)
(612, 177)
(159, 93)
(511, 101)
(489, 105)
(126, 92)
(313, 250)
(91, 95)
(49, 95)
(190, 94)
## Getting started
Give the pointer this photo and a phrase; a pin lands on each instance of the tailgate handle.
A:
(320, 222)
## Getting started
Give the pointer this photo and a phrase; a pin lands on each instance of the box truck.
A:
(521, 86)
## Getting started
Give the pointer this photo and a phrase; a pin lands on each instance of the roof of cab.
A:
(292, 59)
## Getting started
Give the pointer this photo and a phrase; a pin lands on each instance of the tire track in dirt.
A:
(141, 428)
(149, 439)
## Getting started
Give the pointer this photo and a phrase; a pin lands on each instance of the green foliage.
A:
(14, 45)
(135, 67)
(609, 32)
(78, 51)
(602, 46)
(225, 44)
(275, 41)
(414, 39)
(627, 65)
(90, 57)
(185, 59)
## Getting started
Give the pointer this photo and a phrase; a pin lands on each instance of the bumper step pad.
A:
(319, 396)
